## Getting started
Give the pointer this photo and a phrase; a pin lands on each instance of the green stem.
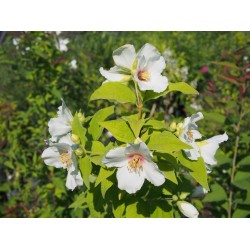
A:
(230, 198)
(139, 103)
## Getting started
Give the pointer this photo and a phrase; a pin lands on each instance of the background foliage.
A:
(35, 74)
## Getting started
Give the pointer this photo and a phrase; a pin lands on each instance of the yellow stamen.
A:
(135, 164)
(143, 75)
(190, 135)
(65, 159)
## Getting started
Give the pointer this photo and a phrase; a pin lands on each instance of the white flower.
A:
(124, 58)
(73, 64)
(61, 44)
(60, 125)
(206, 149)
(187, 209)
(16, 42)
(149, 68)
(134, 165)
(61, 155)
(189, 130)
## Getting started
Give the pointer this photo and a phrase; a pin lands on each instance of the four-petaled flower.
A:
(61, 155)
(60, 125)
(145, 67)
(149, 68)
(134, 165)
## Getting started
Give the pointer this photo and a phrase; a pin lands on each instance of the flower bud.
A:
(187, 209)
(75, 138)
(172, 126)
(179, 128)
(175, 197)
(79, 152)
(81, 117)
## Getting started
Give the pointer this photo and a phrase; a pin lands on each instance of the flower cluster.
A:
(60, 152)
(134, 161)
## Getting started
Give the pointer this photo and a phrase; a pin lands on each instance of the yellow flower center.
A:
(143, 75)
(190, 135)
(65, 159)
(135, 164)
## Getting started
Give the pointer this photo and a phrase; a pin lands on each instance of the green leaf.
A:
(114, 91)
(131, 211)
(94, 128)
(119, 129)
(245, 163)
(105, 186)
(80, 200)
(135, 124)
(198, 169)
(118, 212)
(162, 210)
(179, 86)
(217, 194)
(241, 213)
(242, 180)
(103, 174)
(86, 168)
(155, 124)
(166, 142)
(79, 130)
(166, 166)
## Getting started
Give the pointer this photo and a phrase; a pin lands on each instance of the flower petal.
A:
(116, 158)
(218, 138)
(140, 148)
(148, 51)
(124, 56)
(209, 147)
(129, 181)
(51, 157)
(153, 174)
(65, 112)
(114, 75)
(73, 180)
(58, 127)
(156, 66)
(66, 139)
(157, 83)
(196, 117)
(192, 154)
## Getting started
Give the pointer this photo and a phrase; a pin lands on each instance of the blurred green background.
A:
(38, 68)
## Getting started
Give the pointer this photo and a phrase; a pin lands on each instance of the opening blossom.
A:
(134, 163)
(61, 155)
(60, 125)
(188, 133)
(145, 67)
